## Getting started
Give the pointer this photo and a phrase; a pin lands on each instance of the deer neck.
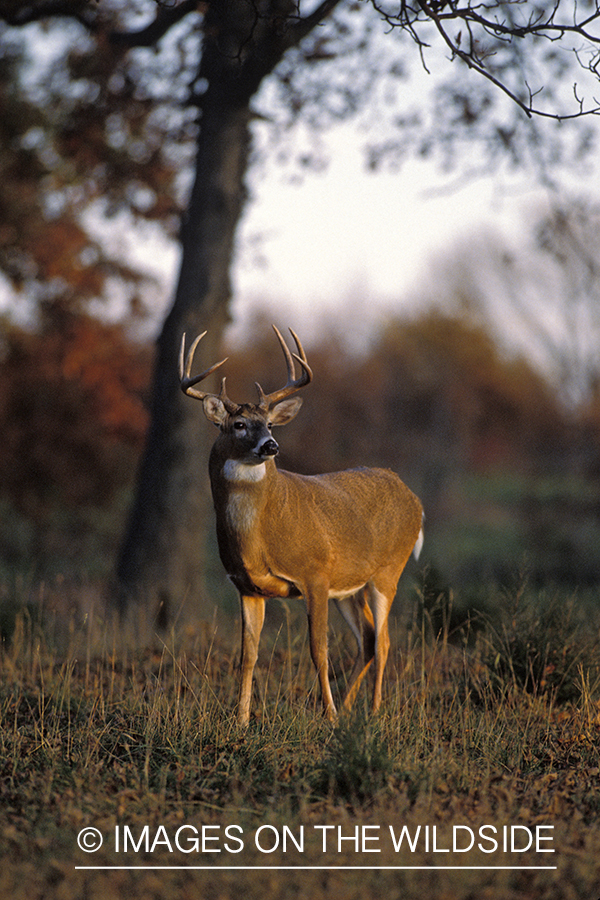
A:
(240, 474)
(240, 492)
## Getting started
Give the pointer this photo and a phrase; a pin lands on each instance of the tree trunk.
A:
(162, 559)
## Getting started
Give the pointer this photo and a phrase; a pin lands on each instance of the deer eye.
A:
(239, 426)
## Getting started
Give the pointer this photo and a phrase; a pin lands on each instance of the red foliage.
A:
(71, 412)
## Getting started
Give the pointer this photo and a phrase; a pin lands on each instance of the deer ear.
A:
(214, 410)
(285, 411)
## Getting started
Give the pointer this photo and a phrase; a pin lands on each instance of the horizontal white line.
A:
(322, 868)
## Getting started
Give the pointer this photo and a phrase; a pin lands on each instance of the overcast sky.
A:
(316, 245)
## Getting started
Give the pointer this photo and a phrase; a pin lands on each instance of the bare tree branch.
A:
(304, 25)
(470, 49)
(18, 14)
(90, 15)
(166, 17)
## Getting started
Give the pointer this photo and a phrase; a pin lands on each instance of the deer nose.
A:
(269, 448)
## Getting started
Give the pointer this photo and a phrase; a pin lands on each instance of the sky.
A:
(349, 236)
(347, 247)
(347, 243)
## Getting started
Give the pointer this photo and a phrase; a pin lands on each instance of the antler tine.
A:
(185, 367)
(293, 384)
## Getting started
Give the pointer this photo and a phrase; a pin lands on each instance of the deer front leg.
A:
(253, 617)
(317, 608)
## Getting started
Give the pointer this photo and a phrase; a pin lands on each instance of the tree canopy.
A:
(102, 102)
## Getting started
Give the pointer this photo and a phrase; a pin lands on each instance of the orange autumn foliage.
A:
(72, 413)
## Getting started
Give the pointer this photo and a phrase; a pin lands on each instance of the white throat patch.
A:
(234, 470)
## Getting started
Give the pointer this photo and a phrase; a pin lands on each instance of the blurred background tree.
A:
(142, 112)
(73, 421)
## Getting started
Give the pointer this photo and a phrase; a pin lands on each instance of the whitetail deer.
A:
(346, 535)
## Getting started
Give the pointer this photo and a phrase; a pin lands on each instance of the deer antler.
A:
(187, 382)
(293, 384)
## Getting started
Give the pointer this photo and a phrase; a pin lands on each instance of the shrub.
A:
(541, 643)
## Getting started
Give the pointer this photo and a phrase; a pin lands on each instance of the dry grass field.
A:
(480, 778)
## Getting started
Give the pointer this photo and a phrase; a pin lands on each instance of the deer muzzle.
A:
(269, 447)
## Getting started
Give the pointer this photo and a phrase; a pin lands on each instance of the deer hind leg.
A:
(357, 613)
(317, 608)
(382, 591)
(253, 617)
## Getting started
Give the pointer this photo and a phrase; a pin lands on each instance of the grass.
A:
(496, 728)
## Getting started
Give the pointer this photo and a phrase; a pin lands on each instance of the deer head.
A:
(248, 425)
